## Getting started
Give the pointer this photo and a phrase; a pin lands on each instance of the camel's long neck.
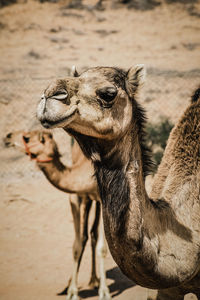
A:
(120, 179)
(124, 200)
(77, 179)
(55, 171)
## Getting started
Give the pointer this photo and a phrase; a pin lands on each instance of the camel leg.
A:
(104, 293)
(94, 281)
(170, 294)
(80, 210)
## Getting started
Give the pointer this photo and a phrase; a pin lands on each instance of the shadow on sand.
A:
(120, 284)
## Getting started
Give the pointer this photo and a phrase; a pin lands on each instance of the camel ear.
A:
(135, 79)
(74, 71)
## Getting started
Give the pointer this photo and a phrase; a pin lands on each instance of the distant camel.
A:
(77, 181)
(155, 242)
(79, 4)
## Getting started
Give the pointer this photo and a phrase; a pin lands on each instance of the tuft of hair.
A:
(196, 95)
(147, 162)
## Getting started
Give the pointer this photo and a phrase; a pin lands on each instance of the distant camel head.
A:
(98, 103)
(39, 145)
(14, 139)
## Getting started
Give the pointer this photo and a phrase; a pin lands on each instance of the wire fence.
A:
(166, 93)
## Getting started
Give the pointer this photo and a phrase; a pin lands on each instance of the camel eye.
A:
(26, 139)
(60, 95)
(108, 94)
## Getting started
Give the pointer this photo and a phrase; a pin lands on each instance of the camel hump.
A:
(196, 95)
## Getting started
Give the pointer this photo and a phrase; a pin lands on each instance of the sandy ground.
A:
(36, 240)
(40, 42)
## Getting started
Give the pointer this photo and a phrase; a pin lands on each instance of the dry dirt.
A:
(39, 42)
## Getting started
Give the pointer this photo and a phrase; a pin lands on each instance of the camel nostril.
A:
(26, 139)
(9, 135)
(43, 97)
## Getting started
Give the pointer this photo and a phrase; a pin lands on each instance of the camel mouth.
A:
(49, 124)
(32, 155)
(61, 121)
(7, 144)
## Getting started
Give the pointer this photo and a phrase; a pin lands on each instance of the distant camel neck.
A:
(75, 179)
(54, 171)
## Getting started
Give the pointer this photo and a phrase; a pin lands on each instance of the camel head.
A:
(14, 139)
(39, 145)
(98, 103)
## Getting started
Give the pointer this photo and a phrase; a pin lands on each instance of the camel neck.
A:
(54, 171)
(135, 226)
(75, 179)
(121, 183)
(124, 200)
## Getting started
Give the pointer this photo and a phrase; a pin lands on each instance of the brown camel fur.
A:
(156, 242)
(79, 182)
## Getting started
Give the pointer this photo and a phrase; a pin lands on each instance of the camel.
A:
(78, 4)
(155, 242)
(79, 182)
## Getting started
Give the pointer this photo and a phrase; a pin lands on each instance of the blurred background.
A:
(40, 41)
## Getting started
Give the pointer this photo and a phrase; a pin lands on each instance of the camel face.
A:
(37, 144)
(96, 103)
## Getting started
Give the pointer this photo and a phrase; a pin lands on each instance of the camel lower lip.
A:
(46, 123)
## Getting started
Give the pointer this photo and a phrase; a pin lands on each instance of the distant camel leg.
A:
(80, 211)
(94, 281)
(104, 293)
